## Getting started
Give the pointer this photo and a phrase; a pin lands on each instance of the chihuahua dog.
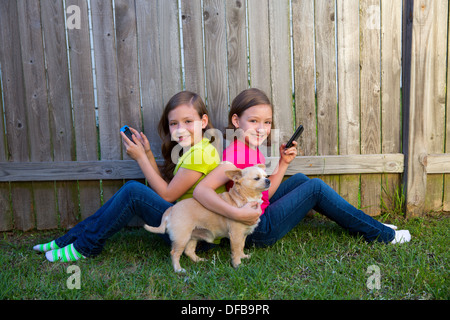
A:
(188, 221)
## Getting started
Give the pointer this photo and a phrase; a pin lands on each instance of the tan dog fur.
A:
(188, 221)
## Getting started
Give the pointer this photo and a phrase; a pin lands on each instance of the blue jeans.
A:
(133, 199)
(296, 196)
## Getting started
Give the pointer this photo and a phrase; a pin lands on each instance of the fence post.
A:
(414, 147)
(419, 44)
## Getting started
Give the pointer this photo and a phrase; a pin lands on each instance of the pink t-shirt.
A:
(242, 156)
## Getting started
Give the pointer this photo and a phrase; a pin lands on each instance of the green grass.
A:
(316, 260)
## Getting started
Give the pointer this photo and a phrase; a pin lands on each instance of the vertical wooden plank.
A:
(3, 149)
(260, 57)
(5, 204)
(150, 65)
(407, 32)
(422, 73)
(391, 55)
(107, 87)
(127, 68)
(83, 107)
(258, 28)
(391, 16)
(280, 70)
(237, 47)
(446, 204)
(326, 83)
(31, 42)
(436, 128)
(326, 77)
(6, 222)
(106, 78)
(348, 86)
(370, 100)
(304, 74)
(216, 62)
(191, 18)
(169, 42)
(305, 97)
(15, 114)
(60, 112)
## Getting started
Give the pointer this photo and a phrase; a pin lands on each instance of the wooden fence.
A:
(74, 71)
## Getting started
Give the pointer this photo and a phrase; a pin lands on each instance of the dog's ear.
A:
(262, 166)
(234, 174)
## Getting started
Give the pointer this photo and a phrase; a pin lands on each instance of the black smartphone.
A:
(295, 136)
(128, 133)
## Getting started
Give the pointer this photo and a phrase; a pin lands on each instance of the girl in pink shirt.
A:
(286, 203)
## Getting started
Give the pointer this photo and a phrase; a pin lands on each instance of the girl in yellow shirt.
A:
(182, 124)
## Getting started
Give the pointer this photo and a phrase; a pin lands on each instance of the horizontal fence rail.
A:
(128, 169)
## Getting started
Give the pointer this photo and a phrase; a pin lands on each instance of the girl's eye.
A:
(173, 124)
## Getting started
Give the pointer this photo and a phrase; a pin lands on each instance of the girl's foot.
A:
(401, 236)
(46, 246)
(66, 254)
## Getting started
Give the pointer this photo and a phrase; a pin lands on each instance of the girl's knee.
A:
(132, 186)
(317, 183)
(300, 178)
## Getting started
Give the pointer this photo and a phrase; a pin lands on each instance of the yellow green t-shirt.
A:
(201, 157)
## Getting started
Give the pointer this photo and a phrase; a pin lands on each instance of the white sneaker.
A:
(401, 236)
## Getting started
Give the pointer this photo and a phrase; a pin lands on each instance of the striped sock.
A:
(66, 254)
(46, 246)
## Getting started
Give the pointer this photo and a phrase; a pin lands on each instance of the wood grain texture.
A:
(304, 76)
(60, 113)
(259, 58)
(348, 91)
(370, 75)
(216, 62)
(84, 117)
(191, 19)
(280, 71)
(236, 47)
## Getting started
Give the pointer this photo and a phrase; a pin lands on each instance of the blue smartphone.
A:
(128, 133)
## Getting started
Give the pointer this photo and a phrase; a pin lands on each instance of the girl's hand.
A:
(135, 150)
(143, 139)
(249, 214)
(287, 155)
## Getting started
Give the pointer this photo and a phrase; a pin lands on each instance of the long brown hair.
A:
(245, 100)
(181, 98)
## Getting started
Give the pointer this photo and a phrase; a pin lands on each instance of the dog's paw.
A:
(181, 270)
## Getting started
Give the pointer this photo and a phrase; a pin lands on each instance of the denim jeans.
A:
(296, 196)
(133, 199)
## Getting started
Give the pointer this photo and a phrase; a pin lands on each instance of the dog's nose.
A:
(267, 182)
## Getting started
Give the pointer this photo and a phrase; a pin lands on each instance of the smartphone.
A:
(295, 136)
(128, 133)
